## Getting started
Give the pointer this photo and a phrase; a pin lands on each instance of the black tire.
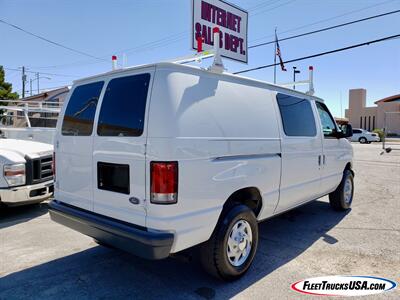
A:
(362, 140)
(337, 199)
(100, 243)
(214, 257)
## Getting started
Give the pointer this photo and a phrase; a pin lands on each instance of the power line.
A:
(262, 5)
(43, 73)
(49, 41)
(327, 28)
(272, 8)
(322, 53)
(149, 45)
(328, 19)
(163, 41)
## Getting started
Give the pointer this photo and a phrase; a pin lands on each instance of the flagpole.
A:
(275, 58)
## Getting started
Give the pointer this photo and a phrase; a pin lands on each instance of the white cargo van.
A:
(159, 158)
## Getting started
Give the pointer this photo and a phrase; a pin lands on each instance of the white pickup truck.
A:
(29, 120)
(26, 172)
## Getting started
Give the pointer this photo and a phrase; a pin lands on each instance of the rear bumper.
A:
(376, 139)
(131, 238)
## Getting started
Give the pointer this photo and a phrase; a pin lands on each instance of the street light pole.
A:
(294, 76)
(37, 78)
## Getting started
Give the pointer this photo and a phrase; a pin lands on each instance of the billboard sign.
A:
(231, 21)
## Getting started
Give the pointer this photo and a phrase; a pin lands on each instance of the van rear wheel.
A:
(230, 251)
(342, 197)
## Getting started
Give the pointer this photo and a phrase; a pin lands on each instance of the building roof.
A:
(389, 99)
(45, 94)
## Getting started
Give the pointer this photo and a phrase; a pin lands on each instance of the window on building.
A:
(297, 116)
(365, 122)
(327, 122)
(79, 115)
(369, 123)
(123, 108)
(360, 122)
(373, 122)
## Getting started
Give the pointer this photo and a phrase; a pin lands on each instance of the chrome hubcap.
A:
(239, 243)
(348, 191)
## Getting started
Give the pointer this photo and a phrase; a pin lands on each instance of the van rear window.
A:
(123, 107)
(79, 115)
(297, 116)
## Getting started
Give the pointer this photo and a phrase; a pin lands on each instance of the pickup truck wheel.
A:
(230, 251)
(342, 197)
(362, 140)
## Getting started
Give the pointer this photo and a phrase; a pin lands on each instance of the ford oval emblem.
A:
(134, 200)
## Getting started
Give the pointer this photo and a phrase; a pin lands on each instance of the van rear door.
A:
(119, 148)
(73, 146)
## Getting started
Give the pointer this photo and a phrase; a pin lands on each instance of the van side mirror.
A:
(347, 131)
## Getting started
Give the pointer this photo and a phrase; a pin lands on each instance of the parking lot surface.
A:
(40, 259)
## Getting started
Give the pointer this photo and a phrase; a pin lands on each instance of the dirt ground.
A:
(40, 259)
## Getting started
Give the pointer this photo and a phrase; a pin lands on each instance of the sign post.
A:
(231, 22)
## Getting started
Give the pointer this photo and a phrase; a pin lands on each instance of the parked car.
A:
(27, 175)
(159, 158)
(364, 136)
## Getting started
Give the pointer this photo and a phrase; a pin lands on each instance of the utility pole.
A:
(23, 82)
(294, 76)
(30, 85)
(37, 78)
(276, 40)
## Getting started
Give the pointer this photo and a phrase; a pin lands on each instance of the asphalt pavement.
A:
(40, 259)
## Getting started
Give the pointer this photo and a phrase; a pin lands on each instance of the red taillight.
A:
(164, 182)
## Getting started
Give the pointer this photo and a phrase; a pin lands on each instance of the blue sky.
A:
(154, 30)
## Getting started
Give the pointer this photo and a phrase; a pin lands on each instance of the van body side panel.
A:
(338, 153)
(225, 137)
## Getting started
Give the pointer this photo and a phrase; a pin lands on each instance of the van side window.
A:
(79, 115)
(297, 116)
(327, 122)
(123, 108)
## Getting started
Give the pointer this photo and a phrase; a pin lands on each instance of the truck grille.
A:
(39, 169)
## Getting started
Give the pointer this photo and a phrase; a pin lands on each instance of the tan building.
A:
(57, 95)
(386, 113)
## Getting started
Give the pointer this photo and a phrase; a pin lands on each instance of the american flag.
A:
(278, 53)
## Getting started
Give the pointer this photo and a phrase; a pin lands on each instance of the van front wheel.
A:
(342, 197)
(230, 251)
